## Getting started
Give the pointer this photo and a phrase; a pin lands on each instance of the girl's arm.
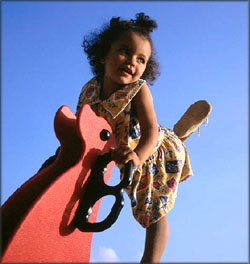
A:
(146, 116)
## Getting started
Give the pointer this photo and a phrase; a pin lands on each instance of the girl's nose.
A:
(131, 60)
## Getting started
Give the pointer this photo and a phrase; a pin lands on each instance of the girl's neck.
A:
(108, 88)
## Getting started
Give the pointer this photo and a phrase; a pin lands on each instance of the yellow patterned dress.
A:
(155, 182)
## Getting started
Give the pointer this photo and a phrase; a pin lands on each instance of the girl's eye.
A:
(141, 60)
(123, 51)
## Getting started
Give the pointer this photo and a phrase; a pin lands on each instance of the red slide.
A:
(37, 219)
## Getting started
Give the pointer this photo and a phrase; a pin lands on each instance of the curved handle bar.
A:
(95, 189)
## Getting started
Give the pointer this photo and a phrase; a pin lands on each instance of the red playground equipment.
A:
(44, 219)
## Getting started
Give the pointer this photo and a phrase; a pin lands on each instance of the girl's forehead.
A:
(134, 42)
(129, 36)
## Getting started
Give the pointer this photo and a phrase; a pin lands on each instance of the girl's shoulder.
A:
(89, 93)
(91, 89)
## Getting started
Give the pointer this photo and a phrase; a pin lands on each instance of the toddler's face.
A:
(127, 59)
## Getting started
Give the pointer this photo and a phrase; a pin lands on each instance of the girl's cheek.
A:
(122, 57)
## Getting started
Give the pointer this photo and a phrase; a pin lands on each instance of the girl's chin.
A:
(121, 81)
(127, 80)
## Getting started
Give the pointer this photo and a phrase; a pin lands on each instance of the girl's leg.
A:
(156, 240)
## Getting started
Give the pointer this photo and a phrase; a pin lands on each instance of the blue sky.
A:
(202, 48)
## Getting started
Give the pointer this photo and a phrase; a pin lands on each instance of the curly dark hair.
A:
(97, 44)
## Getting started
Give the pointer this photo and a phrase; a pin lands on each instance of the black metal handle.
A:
(95, 189)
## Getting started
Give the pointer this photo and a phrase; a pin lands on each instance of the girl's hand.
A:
(123, 154)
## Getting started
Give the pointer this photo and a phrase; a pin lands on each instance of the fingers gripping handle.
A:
(94, 190)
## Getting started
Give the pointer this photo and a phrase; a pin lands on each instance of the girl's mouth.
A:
(126, 71)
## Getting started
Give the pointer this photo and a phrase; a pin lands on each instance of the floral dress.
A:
(155, 182)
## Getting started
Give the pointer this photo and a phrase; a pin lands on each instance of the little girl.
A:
(122, 60)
